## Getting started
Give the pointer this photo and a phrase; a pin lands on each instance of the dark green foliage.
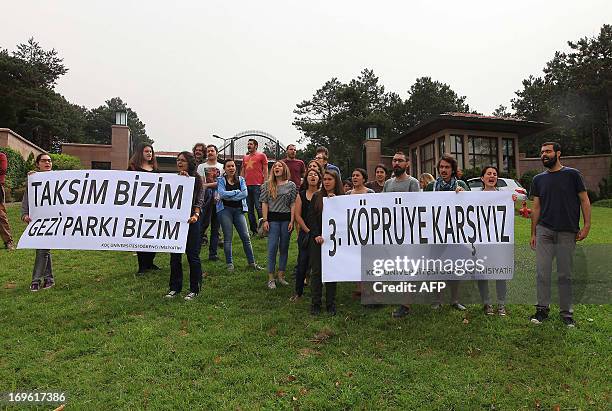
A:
(338, 114)
(16, 173)
(603, 203)
(30, 106)
(593, 196)
(527, 178)
(605, 185)
(574, 95)
(65, 162)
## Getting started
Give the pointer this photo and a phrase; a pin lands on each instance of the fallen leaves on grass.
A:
(272, 332)
(217, 360)
(307, 352)
(10, 285)
(280, 393)
(466, 321)
(183, 331)
(322, 336)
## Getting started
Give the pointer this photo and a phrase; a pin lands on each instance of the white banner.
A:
(424, 236)
(108, 210)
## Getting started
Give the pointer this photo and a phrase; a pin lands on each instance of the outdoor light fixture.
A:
(121, 117)
(371, 133)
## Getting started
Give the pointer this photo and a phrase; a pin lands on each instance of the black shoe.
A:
(331, 309)
(213, 258)
(401, 311)
(315, 309)
(141, 271)
(540, 315)
(569, 321)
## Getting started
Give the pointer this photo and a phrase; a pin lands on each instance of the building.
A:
(474, 140)
(10, 139)
(114, 156)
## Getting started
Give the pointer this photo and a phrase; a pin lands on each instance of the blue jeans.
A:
(253, 203)
(232, 216)
(192, 250)
(278, 237)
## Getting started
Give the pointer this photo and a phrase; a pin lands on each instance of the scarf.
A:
(442, 185)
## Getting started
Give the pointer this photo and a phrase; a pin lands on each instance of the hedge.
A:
(16, 173)
(65, 162)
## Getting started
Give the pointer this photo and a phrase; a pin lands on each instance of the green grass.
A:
(109, 339)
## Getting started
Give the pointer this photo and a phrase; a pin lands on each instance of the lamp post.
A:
(371, 132)
(224, 144)
(121, 117)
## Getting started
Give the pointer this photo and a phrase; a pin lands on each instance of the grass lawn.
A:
(108, 338)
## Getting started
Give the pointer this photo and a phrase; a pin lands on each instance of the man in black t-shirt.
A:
(559, 194)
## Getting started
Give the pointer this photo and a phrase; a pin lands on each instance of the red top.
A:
(3, 167)
(253, 168)
(297, 168)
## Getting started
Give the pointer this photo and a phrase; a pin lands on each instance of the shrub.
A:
(65, 162)
(527, 178)
(603, 203)
(471, 173)
(593, 197)
(605, 185)
(16, 173)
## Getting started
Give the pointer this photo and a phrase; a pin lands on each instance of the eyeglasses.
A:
(45, 160)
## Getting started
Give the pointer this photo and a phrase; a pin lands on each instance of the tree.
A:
(46, 66)
(428, 98)
(100, 120)
(575, 95)
(338, 114)
(502, 111)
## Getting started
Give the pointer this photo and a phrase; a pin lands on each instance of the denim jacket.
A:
(233, 195)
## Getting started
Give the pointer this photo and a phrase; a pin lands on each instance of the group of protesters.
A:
(289, 197)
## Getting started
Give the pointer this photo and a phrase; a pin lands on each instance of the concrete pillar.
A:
(373, 150)
(120, 153)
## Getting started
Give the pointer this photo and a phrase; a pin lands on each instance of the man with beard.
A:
(255, 171)
(198, 152)
(559, 194)
(448, 181)
(401, 182)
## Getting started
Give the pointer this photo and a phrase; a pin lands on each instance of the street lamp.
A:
(224, 144)
(371, 133)
(121, 117)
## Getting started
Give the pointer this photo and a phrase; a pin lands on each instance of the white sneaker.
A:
(171, 294)
(271, 284)
(282, 281)
(190, 296)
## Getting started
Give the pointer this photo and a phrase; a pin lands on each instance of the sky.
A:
(196, 68)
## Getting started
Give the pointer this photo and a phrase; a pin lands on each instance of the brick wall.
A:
(593, 168)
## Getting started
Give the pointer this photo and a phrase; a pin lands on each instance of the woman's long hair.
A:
(272, 184)
(192, 168)
(304, 185)
(138, 157)
(318, 202)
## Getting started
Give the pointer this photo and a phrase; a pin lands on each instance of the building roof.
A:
(468, 121)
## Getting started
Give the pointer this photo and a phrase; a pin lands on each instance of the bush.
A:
(470, 173)
(593, 197)
(527, 178)
(16, 173)
(603, 203)
(65, 162)
(605, 185)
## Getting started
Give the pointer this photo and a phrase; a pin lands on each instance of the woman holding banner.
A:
(186, 165)
(278, 207)
(42, 263)
(303, 203)
(144, 161)
(489, 181)
(232, 205)
(359, 178)
(332, 186)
